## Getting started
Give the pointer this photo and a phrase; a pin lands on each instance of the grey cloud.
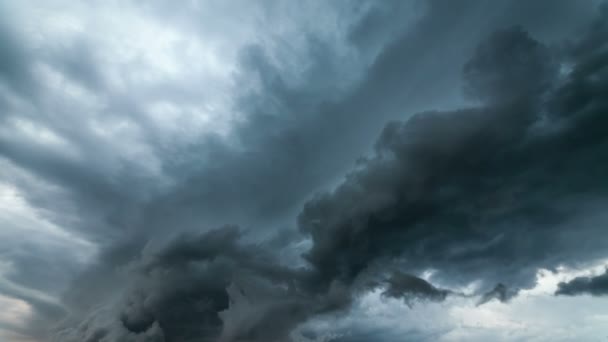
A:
(288, 142)
(500, 293)
(14, 67)
(211, 287)
(476, 193)
(44, 269)
(411, 288)
(595, 286)
(211, 184)
(42, 303)
(457, 190)
(400, 204)
(99, 325)
(509, 66)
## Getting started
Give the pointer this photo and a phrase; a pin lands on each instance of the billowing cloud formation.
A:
(212, 287)
(491, 192)
(595, 286)
(208, 287)
(481, 193)
(123, 194)
(500, 292)
(411, 288)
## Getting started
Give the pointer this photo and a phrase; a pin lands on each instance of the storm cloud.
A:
(208, 287)
(479, 192)
(185, 173)
(595, 286)
(411, 288)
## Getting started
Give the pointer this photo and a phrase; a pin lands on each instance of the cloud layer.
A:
(131, 134)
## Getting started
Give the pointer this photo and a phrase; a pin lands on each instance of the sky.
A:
(303, 171)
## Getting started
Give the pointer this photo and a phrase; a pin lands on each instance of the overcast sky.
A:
(303, 171)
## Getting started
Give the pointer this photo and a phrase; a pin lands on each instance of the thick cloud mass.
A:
(485, 193)
(129, 131)
(500, 292)
(490, 192)
(211, 287)
(595, 286)
(410, 288)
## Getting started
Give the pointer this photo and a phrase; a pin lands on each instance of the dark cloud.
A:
(207, 288)
(442, 190)
(411, 288)
(465, 192)
(595, 286)
(480, 192)
(509, 65)
(500, 293)
(288, 143)
(486, 193)
(289, 129)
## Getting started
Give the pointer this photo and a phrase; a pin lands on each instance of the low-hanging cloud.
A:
(594, 286)
(411, 288)
(486, 194)
(489, 192)
(481, 193)
(212, 287)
